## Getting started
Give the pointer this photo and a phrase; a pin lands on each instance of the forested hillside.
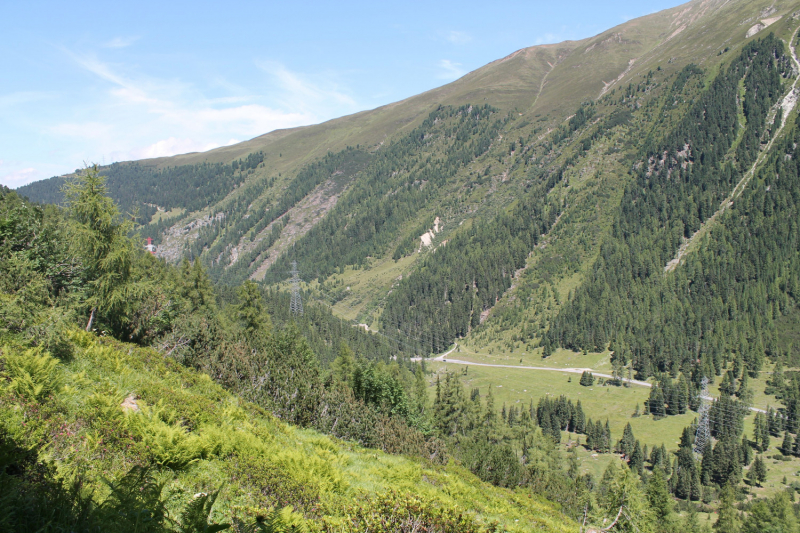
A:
(621, 208)
(115, 427)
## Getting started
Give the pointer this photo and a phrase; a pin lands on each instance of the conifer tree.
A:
(657, 403)
(759, 468)
(637, 459)
(707, 464)
(580, 418)
(728, 519)
(787, 447)
(251, 312)
(626, 444)
(658, 495)
(106, 251)
(747, 452)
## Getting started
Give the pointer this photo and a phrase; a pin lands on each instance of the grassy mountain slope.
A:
(533, 209)
(536, 88)
(114, 406)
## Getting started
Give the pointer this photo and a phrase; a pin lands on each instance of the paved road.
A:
(443, 358)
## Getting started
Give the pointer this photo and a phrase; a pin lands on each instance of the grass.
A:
(617, 404)
(166, 215)
(210, 438)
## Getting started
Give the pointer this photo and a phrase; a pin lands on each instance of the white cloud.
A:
(450, 70)
(173, 146)
(298, 92)
(142, 110)
(459, 37)
(120, 42)
(20, 177)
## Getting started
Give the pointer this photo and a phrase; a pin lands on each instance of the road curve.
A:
(443, 358)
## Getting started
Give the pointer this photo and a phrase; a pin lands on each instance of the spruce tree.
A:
(658, 496)
(580, 418)
(626, 444)
(707, 464)
(728, 519)
(787, 447)
(758, 471)
(747, 452)
(637, 459)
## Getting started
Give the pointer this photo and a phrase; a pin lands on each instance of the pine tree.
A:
(637, 459)
(728, 519)
(658, 496)
(657, 403)
(626, 444)
(787, 447)
(758, 471)
(747, 452)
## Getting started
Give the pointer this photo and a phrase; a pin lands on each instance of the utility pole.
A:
(296, 305)
(703, 434)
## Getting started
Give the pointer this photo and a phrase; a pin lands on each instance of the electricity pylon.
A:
(703, 434)
(296, 305)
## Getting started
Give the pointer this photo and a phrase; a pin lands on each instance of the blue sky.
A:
(99, 82)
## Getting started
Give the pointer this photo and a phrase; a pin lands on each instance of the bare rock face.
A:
(129, 403)
(761, 25)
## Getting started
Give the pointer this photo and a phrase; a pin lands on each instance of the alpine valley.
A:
(558, 294)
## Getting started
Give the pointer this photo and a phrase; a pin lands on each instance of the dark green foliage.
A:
(136, 186)
(401, 179)
(706, 308)
(587, 379)
(787, 446)
(443, 299)
(758, 471)
(776, 514)
(243, 217)
(726, 418)
(627, 442)
(685, 477)
(761, 435)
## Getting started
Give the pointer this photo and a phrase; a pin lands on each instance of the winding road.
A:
(444, 359)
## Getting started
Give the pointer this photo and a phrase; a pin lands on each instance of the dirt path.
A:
(785, 106)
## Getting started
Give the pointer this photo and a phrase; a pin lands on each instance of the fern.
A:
(285, 520)
(34, 373)
(135, 503)
(169, 445)
(196, 514)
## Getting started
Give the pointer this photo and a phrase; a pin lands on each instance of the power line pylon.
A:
(703, 434)
(296, 305)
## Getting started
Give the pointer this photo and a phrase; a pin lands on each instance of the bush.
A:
(166, 444)
(34, 374)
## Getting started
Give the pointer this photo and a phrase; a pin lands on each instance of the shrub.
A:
(34, 374)
(166, 444)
